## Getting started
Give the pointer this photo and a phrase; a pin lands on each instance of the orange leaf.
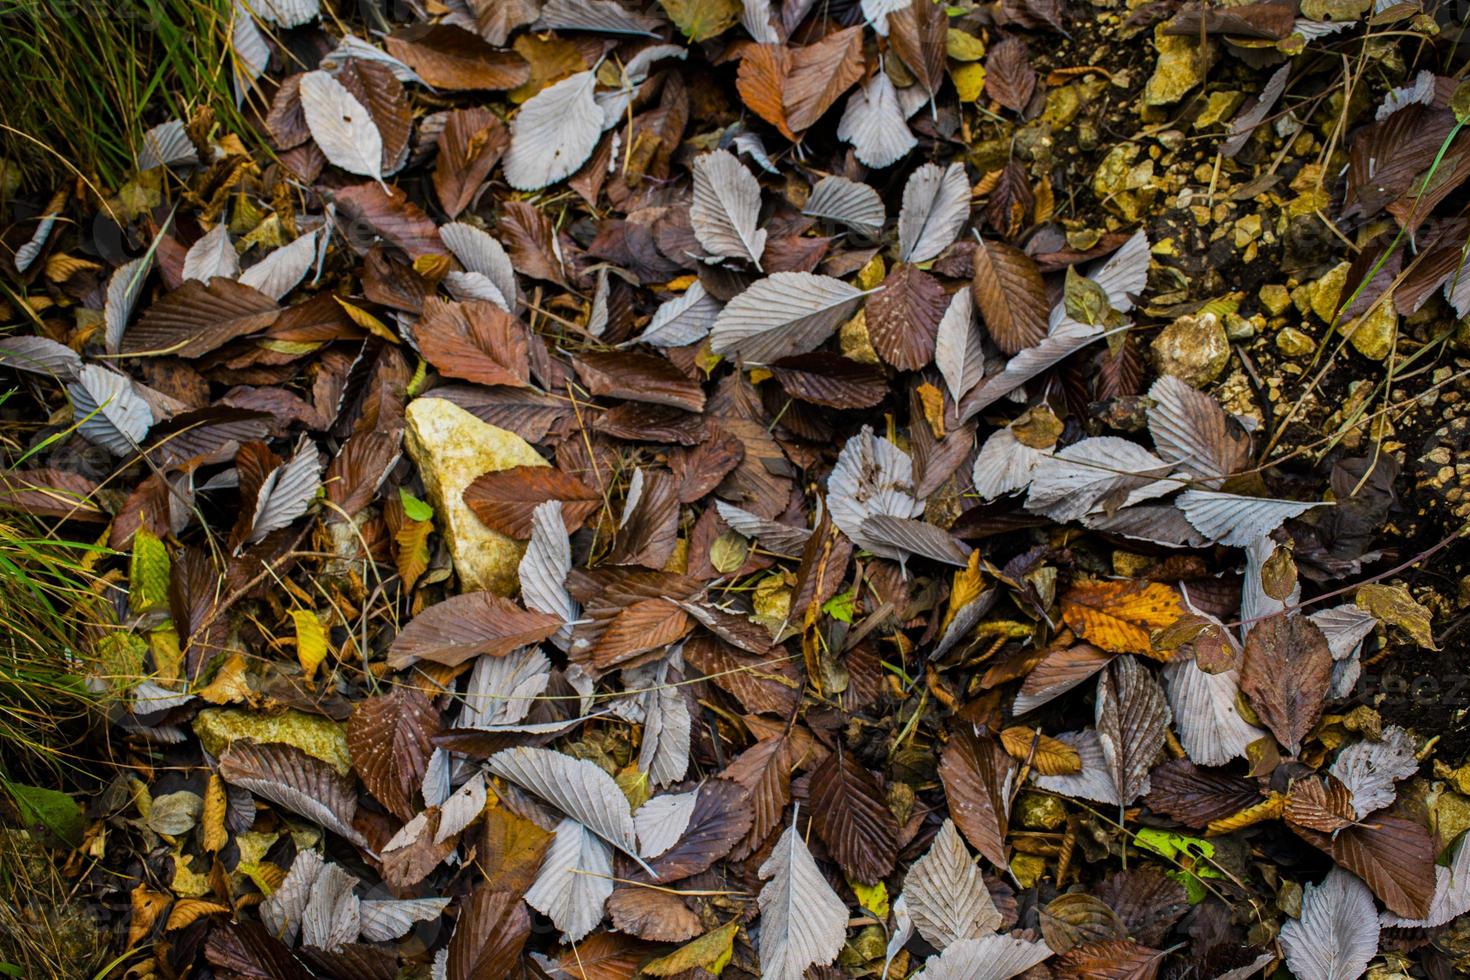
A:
(761, 79)
(1119, 616)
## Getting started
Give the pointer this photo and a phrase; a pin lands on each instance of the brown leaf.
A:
(722, 817)
(50, 492)
(496, 19)
(1324, 804)
(530, 240)
(1077, 919)
(374, 85)
(472, 142)
(640, 378)
(761, 81)
(1286, 673)
(1009, 77)
(1057, 673)
(488, 935)
(196, 318)
(1148, 902)
(1010, 295)
(415, 853)
(653, 915)
(463, 626)
(300, 783)
(700, 469)
(286, 121)
(849, 814)
(1047, 755)
(764, 771)
(355, 473)
(758, 683)
(475, 340)
(450, 58)
(389, 738)
(1010, 201)
(1116, 959)
(1196, 796)
(647, 624)
(903, 317)
(368, 210)
(917, 33)
(603, 956)
(1393, 856)
(650, 531)
(820, 73)
(511, 850)
(974, 773)
(824, 378)
(1132, 716)
(505, 500)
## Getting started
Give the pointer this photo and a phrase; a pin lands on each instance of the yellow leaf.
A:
(700, 20)
(212, 820)
(148, 905)
(969, 81)
(1268, 809)
(311, 640)
(874, 898)
(1393, 604)
(413, 550)
(710, 951)
(969, 583)
(229, 683)
(933, 401)
(963, 46)
(1119, 616)
(189, 910)
(1051, 756)
(367, 321)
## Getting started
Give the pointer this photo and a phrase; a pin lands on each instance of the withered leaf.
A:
(197, 318)
(653, 915)
(389, 738)
(639, 377)
(1131, 717)
(465, 625)
(488, 936)
(1393, 855)
(977, 776)
(471, 143)
(1009, 77)
(301, 783)
(903, 317)
(475, 340)
(1286, 672)
(829, 379)
(1010, 295)
(850, 816)
(450, 58)
(506, 500)
(819, 73)
(722, 817)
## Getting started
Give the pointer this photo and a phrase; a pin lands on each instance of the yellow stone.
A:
(451, 448)
(1038, 811)
(1275, 298)
(1325, 292)
(1293, 343)
(1028, 869)
(1181, 66)
(1372, 333)
(1219, 106)
(323, 738)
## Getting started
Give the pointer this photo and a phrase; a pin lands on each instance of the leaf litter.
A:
(797, 491)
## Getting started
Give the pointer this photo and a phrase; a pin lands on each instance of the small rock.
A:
(1181, 66)
(1194, 349)
(1325, 292)
(1372, 334)
(451, 448)
(1293, 343)
(1275, 298)
(1219, 106)
(1238, 327)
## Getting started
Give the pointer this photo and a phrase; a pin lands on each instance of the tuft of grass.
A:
(44, 930)
(88, 79)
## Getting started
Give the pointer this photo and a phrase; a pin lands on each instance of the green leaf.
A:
(51, 809)
(840, 605)
(148, 573)
(415, 508)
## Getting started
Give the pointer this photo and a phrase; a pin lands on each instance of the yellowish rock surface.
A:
(451, 448)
